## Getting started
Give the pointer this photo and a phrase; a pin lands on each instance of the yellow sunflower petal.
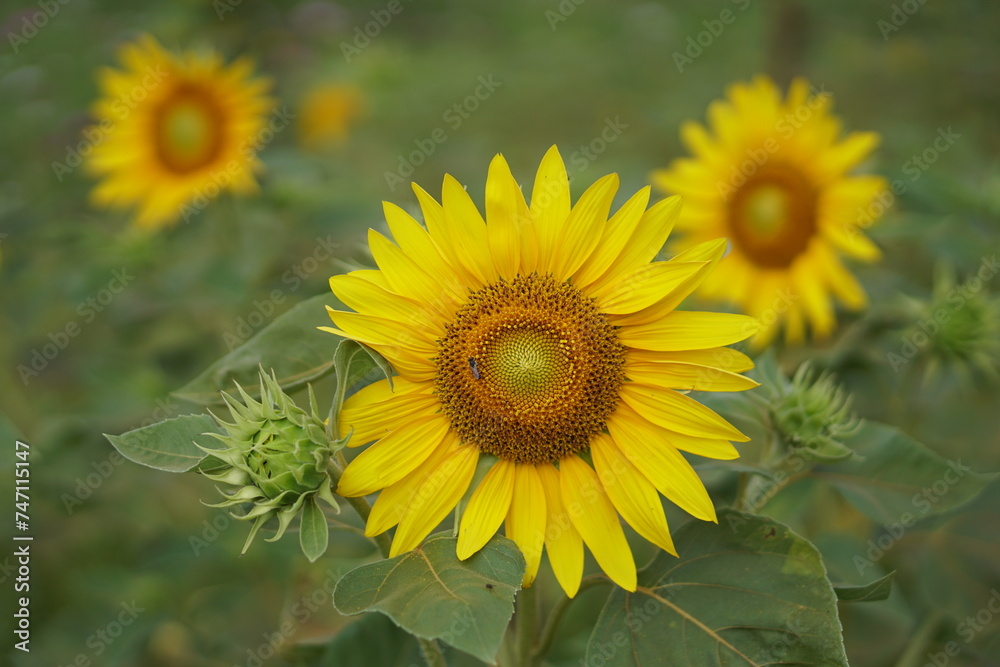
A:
(506, 215)
(633, 495)
(393, 457)
(678, 412)
(661, 463)
(525, 522)
(464, 235)
(583, 227)
(687, 377)
(394, 500)
(595, 518)
(550, 206)
(487, 508)
(437, 496)
(724, 358)
(360, 294)
(650, 234)
(683, 330)
(562, 541)
(617, 232)
(646, 286)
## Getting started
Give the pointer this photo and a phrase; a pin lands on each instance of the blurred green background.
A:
(109, 534)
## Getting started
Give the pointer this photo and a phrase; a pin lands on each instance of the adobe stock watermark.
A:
(121, 107)
(220, 179)
(967, 629)
(101, 471)
(900, 14)
(585, 154)
(929, 327)
(699, 43)
(580, 160)
(562, 12)
(454, 117)
(87, 311)
(915, 168)
(364, 34)
(301, 612)
(784, 128)
(103, 637)
(923, 502)
(600, 653)
(33, 21)
(293, 278)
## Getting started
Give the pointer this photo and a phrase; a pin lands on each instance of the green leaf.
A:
(168, 445)
(314, 533)
(825, 451)
(432, 594)
(745, 591)
(353, 362)
(291, 346)
(895, 479)
(872, 592)
(958, 567)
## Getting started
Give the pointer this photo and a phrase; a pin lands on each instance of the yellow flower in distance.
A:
(327, 114)
(171, 130)
(773, 176)
(544, 340)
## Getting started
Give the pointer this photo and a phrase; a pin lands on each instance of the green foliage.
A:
(747, 590)
(871, 592)
(174, 445)
(289, 346)
(893, 478)
(431, 594)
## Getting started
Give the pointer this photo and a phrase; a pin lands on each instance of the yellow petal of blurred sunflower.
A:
(774, 176)
(513, 337)
(172, 131)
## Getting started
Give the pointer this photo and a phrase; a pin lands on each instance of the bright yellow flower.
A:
(773, 177)
(543, 339)
(327, 113)
(173, 131)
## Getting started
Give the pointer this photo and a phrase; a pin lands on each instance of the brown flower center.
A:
(529, 370)
(188, 128)
(772, 217)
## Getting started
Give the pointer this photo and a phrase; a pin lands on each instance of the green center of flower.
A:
(529, 370)
(188, 127)
(772, 217)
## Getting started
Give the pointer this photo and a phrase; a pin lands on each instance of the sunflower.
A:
(328, 112)
(541, 343)
(775, 180)
(172, 130)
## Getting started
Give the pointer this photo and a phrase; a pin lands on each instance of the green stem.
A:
(432, 653)
(360, 505)
(548, 633)
(525, 620)
(915, 651)
(428, 647)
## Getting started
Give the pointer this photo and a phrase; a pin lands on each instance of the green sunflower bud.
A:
(814, 416)
(275, 453)
(958, 329)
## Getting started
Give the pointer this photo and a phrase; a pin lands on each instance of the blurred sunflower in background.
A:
(327, 113)
(774, 177)
(172, 129)
(543, 342)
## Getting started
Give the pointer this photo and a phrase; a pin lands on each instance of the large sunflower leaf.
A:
(291, 346)
(746, 591)
(896, 480)
(432, 594)
(168, 445)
